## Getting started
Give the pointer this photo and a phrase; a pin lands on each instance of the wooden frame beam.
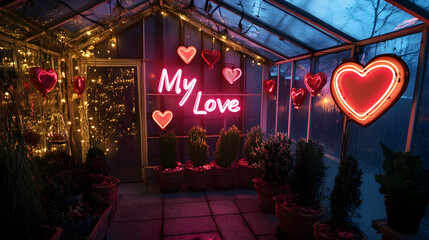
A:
(412, 9)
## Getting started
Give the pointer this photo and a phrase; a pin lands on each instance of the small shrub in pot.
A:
(197, 168)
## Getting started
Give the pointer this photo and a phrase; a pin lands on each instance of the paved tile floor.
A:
(146, 213)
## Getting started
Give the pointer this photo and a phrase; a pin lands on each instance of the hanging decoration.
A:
(366, 93)
(43, 80)
(231, 75)
(162, 118)
(298, 96)
(57, 132)
(79, 85)
(210, 57)
(187, 53)
(270, 88)
(315, 83)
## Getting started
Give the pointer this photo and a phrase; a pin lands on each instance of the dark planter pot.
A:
(99, 231)
(404, 218)
(294, 225)
(169, 181)
(245, 176)
(199, 180)
(266, 193)
(223, 178)
(110, 193)
(322, 236)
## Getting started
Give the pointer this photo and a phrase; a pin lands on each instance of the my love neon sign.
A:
(366, 93)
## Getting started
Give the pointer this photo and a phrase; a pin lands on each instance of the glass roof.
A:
(422, 3)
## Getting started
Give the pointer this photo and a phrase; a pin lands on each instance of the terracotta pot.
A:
(266, 193)
(199, 180)
(404, 218)
(223, 178)
(322, 236)
(169, 181)
(245, 176)
(294, 225)
(110, 193)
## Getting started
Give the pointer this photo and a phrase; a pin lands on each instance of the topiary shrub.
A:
(198, 149)
(167, 149)
(227, 146)
(253, 146)
(96, 161)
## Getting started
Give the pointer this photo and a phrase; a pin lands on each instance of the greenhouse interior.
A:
(214, 119)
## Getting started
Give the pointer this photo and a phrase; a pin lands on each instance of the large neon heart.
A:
(365, 93)
(186, 54)
(270, 86)
(210, 57)
(315, 83)
(43, 80)
(231, 75)
(298, 96)
(162, 119)
(79, 85)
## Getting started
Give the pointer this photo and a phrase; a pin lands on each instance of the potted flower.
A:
(405, 186)
(300, 208)
(197, 168)
(275, 168)
(253, 153)
(345, 202)
(227, 147)
(170, 173)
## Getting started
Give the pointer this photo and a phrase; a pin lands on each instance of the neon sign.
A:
(187, 54)
(162, 118)
(366, 93)
(231, 75)
(315, 83)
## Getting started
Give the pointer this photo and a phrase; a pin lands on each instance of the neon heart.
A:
(162, 119)
(315, 83)
(270, 86)
(210, 57)
(366, 93)
(79, 85)
(186, 54)
(231, 75)
(43, 80)
(298, 96)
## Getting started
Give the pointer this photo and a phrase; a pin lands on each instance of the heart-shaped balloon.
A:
(298, 96)
(366, 93)
(162, 118)
(315, 83)
(186, 54)
(231, 75)
(43, 80)
(79, 85)
(210, 57)
(270, 87)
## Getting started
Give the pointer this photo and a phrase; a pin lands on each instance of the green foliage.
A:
(227, 146)
(309, 173)
(253, 146)
(278, 160)
(346, 195)
(167, 149)
(405, 181)
(96, 161)
(198, 149)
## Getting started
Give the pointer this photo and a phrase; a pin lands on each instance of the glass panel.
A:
(76, 24)
(253, 74)
(130, 42)
(422, 3)
(251, 111)
(45, 13)
(284, 97)
(171, 41)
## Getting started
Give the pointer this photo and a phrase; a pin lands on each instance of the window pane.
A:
(284, 97)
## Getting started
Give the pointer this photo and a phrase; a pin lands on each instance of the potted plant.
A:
(345, 202)
(197, 168)
(274, 168)
(300, 208)
(170, 173)
(405, 186)
(253, 153)
(224, 168)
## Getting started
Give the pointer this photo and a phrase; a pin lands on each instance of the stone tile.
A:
(233, 227)
(153, 189)
(137, 212)
(177, 226)
(267, 237)
(220, 195)
(262, 223)
(186, 210)
(184, 197)
(223, 207)
(135, 230)
(147, 199)
(247, 205)
(198, 236)
(245, 193)
(131, 188)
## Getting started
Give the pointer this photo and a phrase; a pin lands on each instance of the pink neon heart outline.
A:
(230, 75)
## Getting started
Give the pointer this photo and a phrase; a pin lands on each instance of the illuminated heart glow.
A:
(231, 75)
(162, 119)
(79, 85)
(366, 93)
(210, 57)
(270, 86)
(298, 96)
(315, 83)
(43, 80)
(186, 54)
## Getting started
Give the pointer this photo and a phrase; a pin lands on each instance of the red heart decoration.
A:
(186, 54)
(366, 93)
(79, 85)
(315, 83)
(231, 75)
(298, 96)
(270, 86)
(162, 119)
(43, 80)
(210, 57)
